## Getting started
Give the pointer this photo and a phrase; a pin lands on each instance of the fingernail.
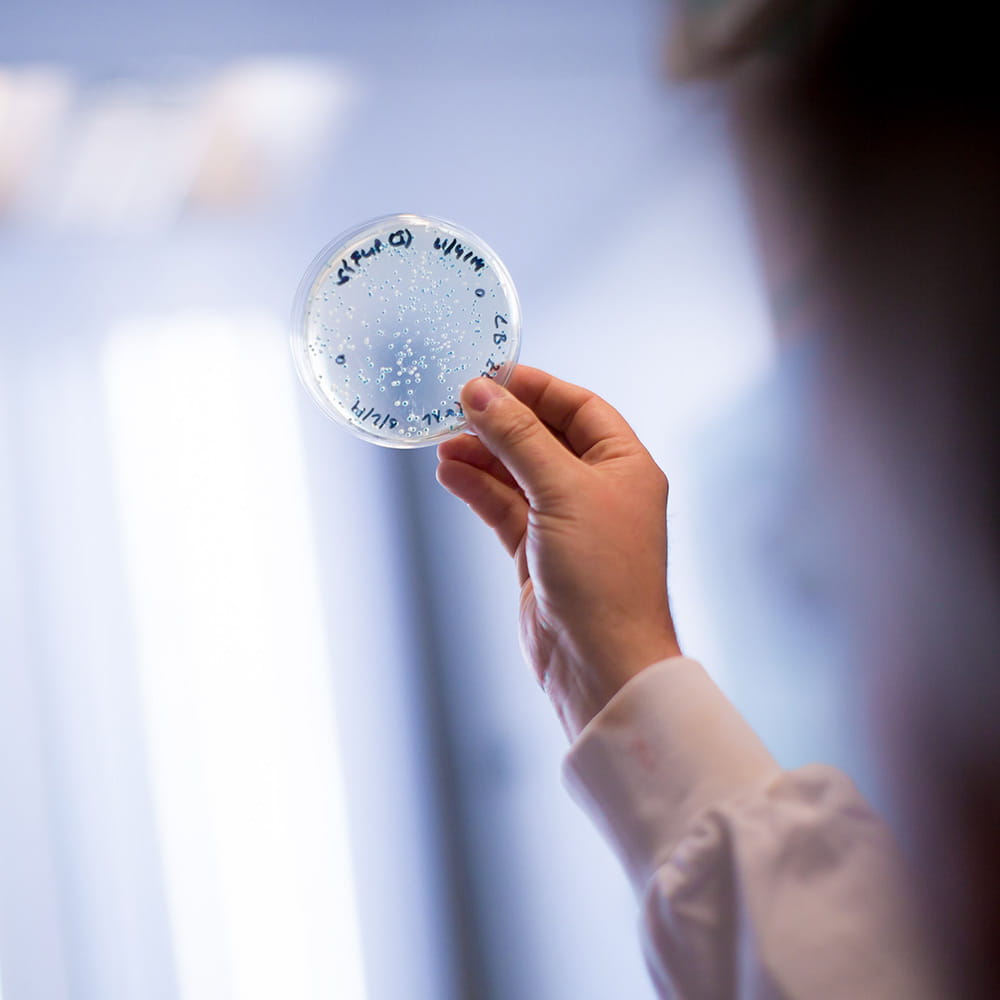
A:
(480, 392)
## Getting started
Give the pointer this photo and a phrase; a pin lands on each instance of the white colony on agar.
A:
(394, 317)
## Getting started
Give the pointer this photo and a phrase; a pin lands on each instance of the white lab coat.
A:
(754, 882)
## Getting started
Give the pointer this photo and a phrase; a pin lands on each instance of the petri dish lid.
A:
(393, 317)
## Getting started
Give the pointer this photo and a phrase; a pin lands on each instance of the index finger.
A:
(584, 419)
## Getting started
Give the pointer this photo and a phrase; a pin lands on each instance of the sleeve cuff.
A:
(667, 746)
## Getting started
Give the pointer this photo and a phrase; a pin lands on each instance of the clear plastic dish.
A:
(393, 318)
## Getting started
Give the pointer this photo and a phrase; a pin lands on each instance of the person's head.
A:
(871, 135)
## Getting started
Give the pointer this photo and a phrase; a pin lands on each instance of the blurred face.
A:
(879, 231)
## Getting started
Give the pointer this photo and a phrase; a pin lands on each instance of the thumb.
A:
(514, 434)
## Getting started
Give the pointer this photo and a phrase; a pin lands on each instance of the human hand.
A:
(581, 506)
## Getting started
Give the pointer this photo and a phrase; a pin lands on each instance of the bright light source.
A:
(239, 713)
(264, 119)
(131, 155)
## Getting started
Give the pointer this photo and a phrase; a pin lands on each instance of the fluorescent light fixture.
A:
(263, 120)
(131, 156)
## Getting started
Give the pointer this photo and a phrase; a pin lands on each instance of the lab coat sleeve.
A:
(754, 882)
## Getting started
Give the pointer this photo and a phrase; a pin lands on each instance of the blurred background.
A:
(264, 725)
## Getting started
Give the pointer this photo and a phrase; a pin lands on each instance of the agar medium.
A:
(393, 318)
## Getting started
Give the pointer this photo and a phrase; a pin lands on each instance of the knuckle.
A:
(521, 427)
(658, 482)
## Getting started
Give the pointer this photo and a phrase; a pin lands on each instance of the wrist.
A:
(585, 684)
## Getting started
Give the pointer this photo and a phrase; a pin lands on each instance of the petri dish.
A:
(391, 320)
